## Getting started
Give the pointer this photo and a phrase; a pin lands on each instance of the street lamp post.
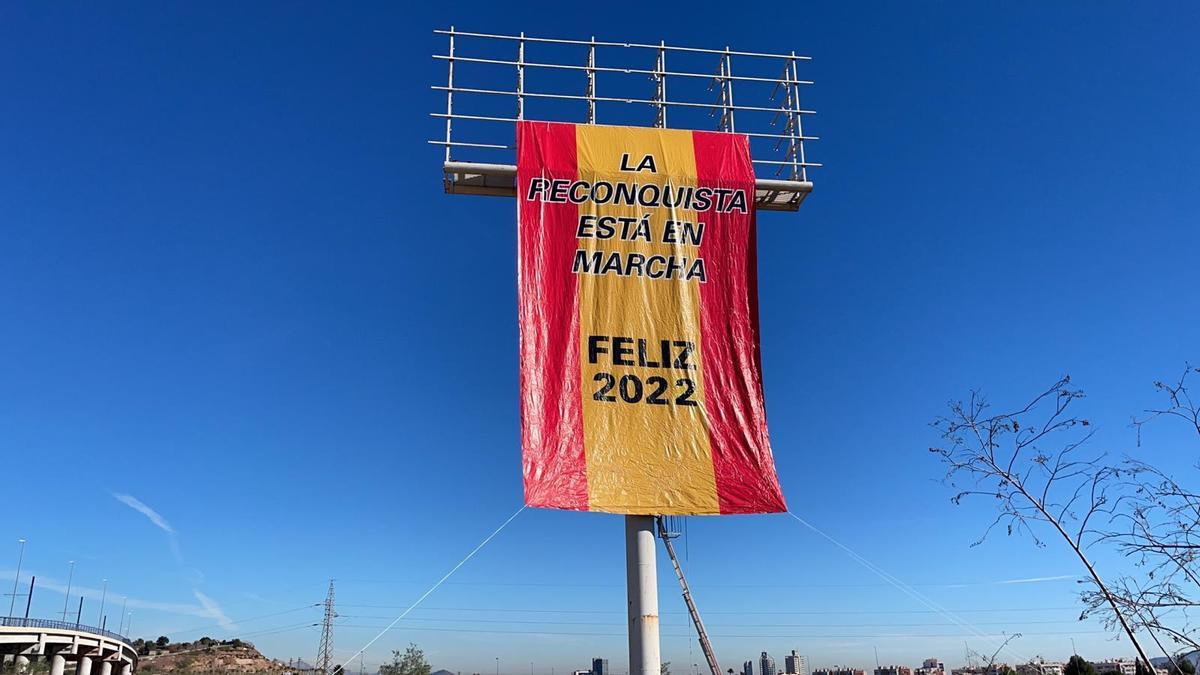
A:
(20, 557)
(103, 597)
(67, 600)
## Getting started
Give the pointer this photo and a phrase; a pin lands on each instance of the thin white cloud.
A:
(136, 504)
(45, 583)
(1004, 582)
(1038, 580)
(214, 611)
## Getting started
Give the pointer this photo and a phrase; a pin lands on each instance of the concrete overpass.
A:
(92, 651)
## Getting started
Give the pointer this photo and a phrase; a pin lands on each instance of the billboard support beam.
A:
(500, 180)
(641, 578)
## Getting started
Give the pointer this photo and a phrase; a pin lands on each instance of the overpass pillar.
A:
(106, 668)
(84, 667)
(126, 668)
(57, 664)
(20, 664)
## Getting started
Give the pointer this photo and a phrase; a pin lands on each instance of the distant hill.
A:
(227, 656)
(1163, 662)
(442, 672)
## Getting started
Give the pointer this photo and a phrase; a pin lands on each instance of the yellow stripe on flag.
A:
(641, 455)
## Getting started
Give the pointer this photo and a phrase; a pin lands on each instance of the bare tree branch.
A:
(1157, 526)
(1029, 462)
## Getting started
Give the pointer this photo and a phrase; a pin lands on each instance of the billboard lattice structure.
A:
(756, 94)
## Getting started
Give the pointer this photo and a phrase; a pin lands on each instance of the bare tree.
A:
(1031, 463)
(1157, 525)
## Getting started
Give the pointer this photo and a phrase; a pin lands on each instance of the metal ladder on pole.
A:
(705, 645)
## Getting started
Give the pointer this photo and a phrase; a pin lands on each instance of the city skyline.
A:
(929, 666)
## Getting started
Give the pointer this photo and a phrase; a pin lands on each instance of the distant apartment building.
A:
(766, 665)
(932, 667)
(600, 667)
(993, 669)
(893, 670)
(838, 670)
(795, 664)
(1040, 668)
(1116, 665)
(748, 668)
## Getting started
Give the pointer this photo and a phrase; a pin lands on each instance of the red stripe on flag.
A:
(729, 349)
(553, 461)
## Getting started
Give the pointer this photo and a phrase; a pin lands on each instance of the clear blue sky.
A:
(232, 289)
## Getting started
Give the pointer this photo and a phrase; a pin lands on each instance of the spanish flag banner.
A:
(641, 386)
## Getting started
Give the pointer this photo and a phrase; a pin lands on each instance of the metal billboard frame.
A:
(776, 125)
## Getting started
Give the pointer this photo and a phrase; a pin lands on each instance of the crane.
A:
(705, 645)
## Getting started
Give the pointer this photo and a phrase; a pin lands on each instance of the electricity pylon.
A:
(325, 651)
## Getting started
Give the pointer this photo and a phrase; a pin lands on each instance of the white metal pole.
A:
(641, 577)
(66, 600)
(103, 597)
(17, 579)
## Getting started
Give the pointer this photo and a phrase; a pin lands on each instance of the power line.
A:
(575, 584)
(280, 629)
(731, 611)
(727, 635)
(558, 622)
(248, 620)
